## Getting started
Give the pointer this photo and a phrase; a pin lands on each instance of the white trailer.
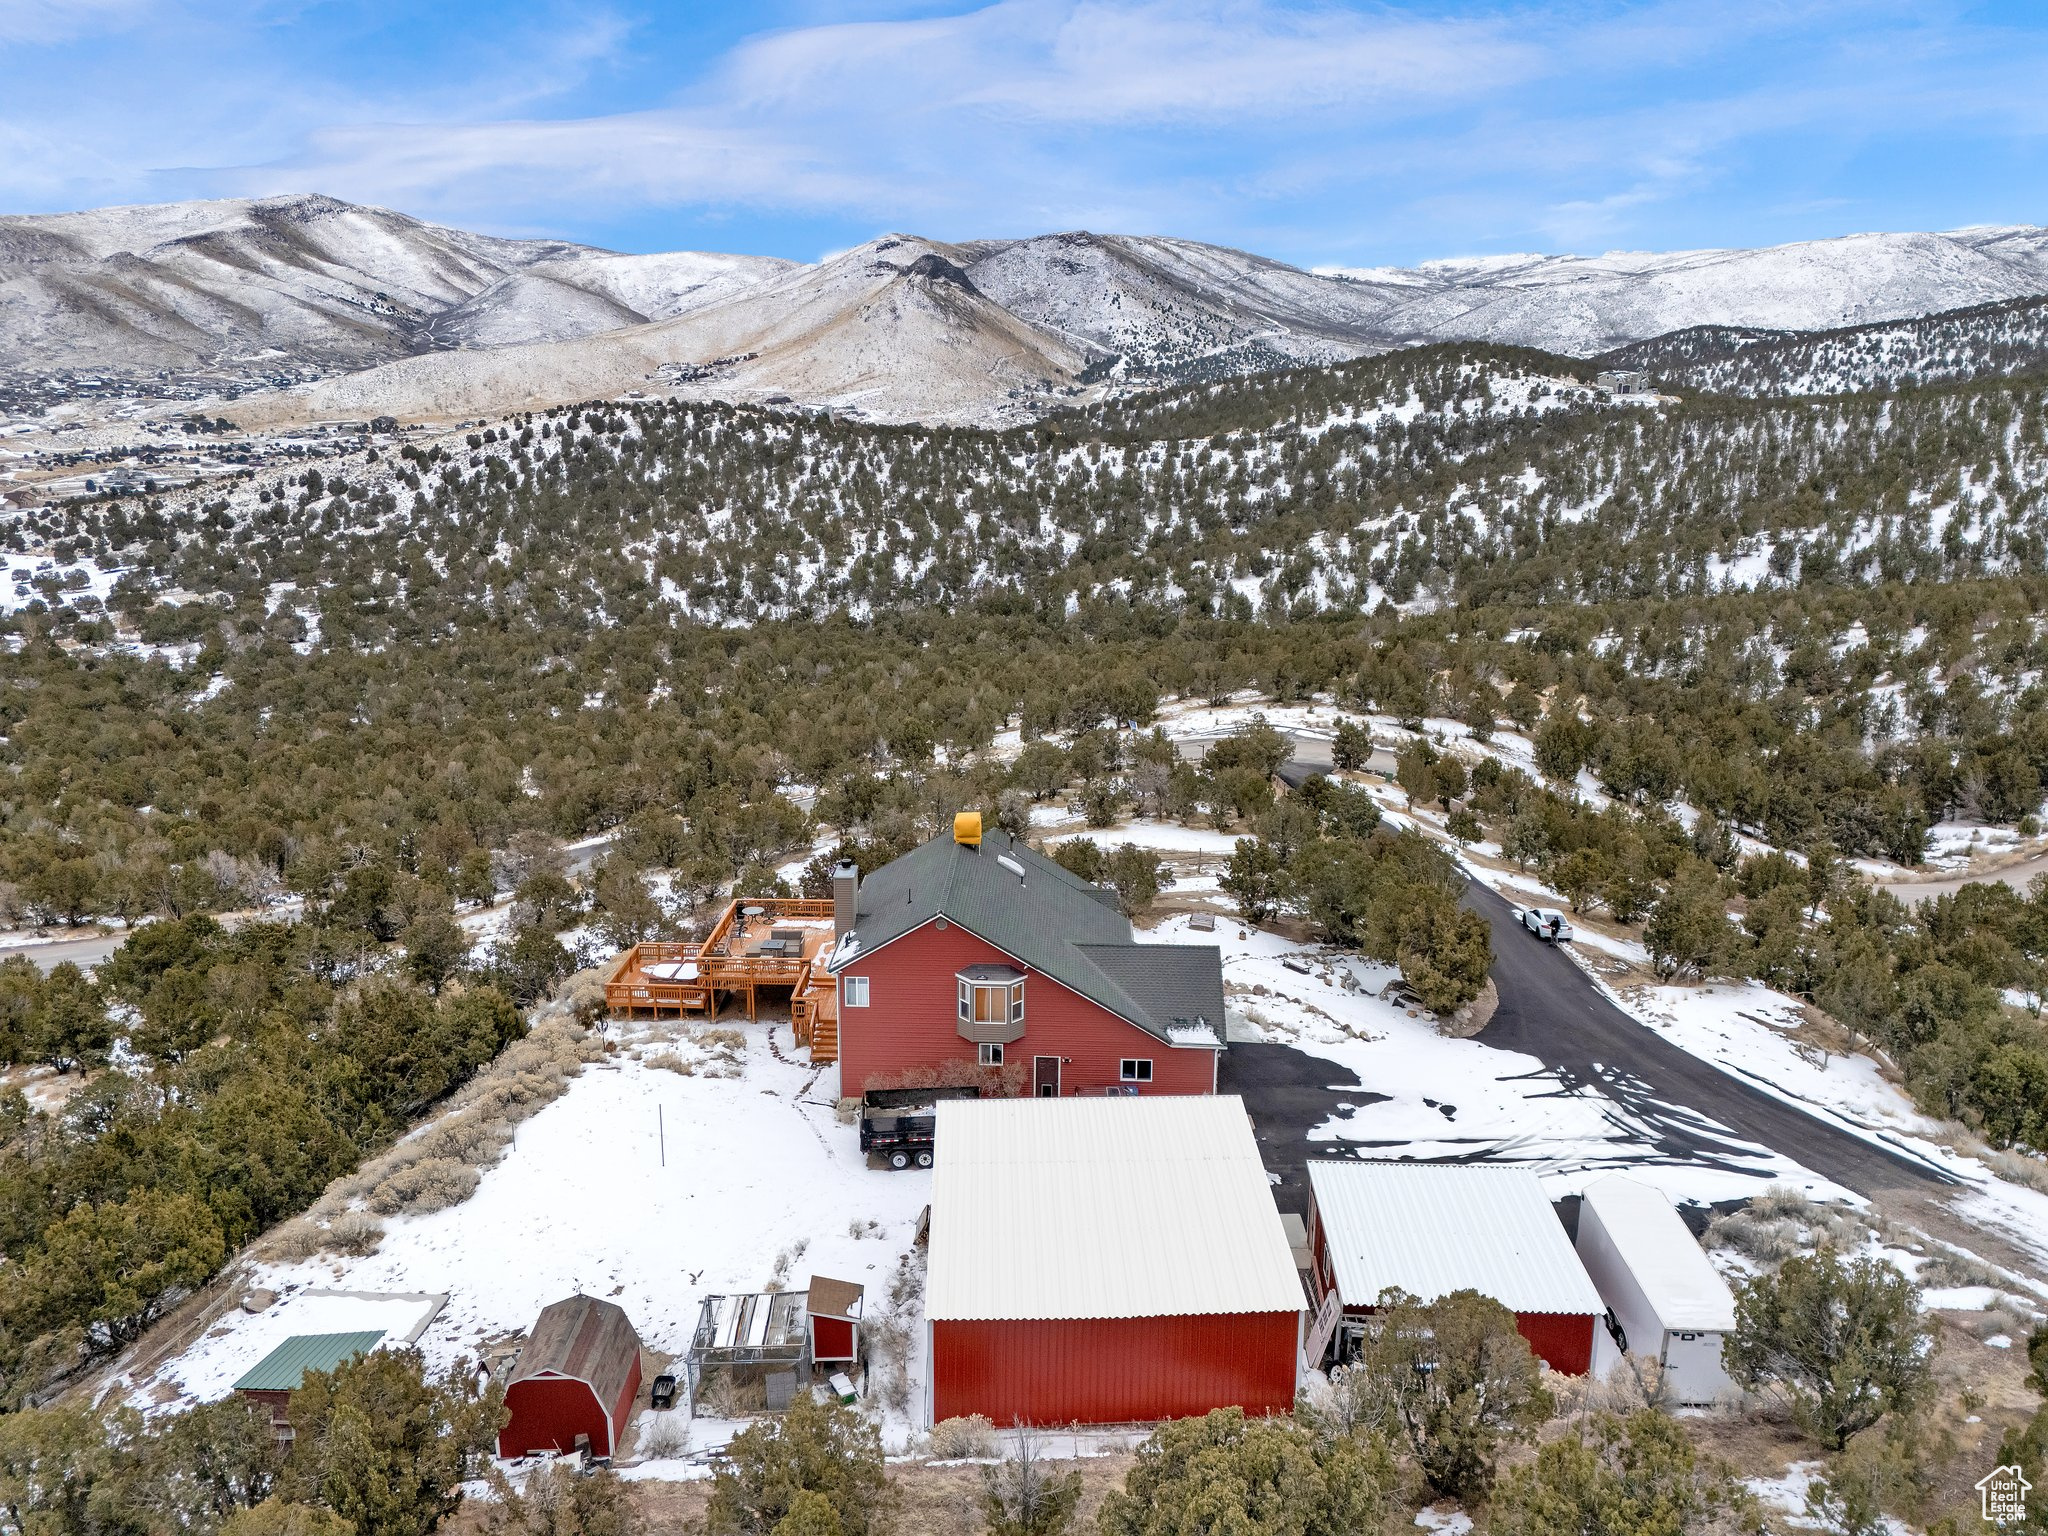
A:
(1672, 1306)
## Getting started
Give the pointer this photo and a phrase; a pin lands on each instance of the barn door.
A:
(1045, 1073)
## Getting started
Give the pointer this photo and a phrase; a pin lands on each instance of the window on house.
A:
(984, 1002)
(991, 1055)
(854, 989)
(1138, 1070)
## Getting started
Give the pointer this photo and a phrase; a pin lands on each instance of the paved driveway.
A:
(1685, 1109)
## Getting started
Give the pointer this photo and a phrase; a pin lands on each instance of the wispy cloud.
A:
(51, 21)
(1310, 128)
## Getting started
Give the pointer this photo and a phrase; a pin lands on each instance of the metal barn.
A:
(1106, 1261)
(1672, 1306)
(1432, 1228)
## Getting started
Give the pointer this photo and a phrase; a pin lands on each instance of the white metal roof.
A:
(1431, 1228)
(1110, 1207)
(1677, 1278)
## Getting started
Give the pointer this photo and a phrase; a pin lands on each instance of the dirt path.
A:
(2018, 874)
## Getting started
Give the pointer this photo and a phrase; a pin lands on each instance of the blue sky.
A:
(1314, 132)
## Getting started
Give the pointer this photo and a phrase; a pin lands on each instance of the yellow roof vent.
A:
(967, 829)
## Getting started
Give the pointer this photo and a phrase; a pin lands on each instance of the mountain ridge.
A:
(326, 309)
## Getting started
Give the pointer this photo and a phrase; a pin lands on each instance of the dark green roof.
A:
(285, 1366)
(1055, 922)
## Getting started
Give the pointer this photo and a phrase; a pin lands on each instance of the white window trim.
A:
(967, 992)
(983, 1057)
(853, 991)
(1128, 1069)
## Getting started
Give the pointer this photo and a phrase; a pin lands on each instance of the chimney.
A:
(845, 887)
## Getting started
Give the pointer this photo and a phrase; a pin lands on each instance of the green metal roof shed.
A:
(285, 1366)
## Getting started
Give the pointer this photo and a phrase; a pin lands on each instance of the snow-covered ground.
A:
(639, 1185)
(210, 1370)
(1448, 1097)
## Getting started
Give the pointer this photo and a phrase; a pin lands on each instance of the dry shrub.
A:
(889, 1334)
(1634, 1383)
(297, 1240)
(1009, 1081)
(582, 996)
(663, 1435)
(2017, 1168)
(432, 1184)
(1949, 1267)
(355, 1233)
(1781, 1222)
(724, 1396)
(972, 1438)
(669, 1061)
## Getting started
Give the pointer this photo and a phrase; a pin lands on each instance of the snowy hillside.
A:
(1583, 305)
(1984, 341)
(285, 287)
(892, 330)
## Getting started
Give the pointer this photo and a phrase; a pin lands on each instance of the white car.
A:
(1547, 923)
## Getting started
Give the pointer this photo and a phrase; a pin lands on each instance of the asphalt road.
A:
(1685, 1110)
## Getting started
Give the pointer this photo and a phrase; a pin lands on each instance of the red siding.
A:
(831, 1338)
(1563, 1341)
(912, 1021)
(549, 1412)
(1114, 1370)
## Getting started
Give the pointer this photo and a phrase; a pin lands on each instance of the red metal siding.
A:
(1564, 1341)
(912, 1021)
(1115, 1370)
(549, 1412)
(831, 1338)
(622, 1410)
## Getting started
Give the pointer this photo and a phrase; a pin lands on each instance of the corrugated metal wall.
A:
(1563, 1341)
(1114, 1370)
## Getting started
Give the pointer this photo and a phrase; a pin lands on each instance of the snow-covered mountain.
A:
(893, 330)
(289, 286)
(364, 311)
(1585, 305)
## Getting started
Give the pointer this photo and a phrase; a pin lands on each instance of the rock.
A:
(258, 1300)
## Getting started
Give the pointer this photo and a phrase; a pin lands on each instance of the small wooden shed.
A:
(273, 1379)
(833, 1310)
(575, 1382)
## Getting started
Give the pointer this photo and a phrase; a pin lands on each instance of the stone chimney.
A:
(845, 887)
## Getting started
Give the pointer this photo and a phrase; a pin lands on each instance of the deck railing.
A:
(719, 969)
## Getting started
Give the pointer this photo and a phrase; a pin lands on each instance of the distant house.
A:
(1624, 381)
(575, 1381)
(1429, 1229)
(274, 1378)
(975, 951)
(1106, 1261)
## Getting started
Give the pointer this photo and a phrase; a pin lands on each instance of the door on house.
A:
(1045, 1072)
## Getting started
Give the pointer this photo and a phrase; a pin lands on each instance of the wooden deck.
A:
(759, 945)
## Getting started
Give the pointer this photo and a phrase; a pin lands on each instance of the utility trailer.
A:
(899, 1123)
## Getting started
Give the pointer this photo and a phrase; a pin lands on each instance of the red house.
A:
(575, 1382)
(1433, 1228)
(973, 950)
